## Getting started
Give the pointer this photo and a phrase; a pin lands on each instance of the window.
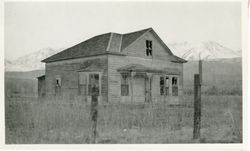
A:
(83, 83)
(124, 85)
(167, 86)
(93, 85)
(162, 85)
(58, 84)
(174, 86)
(58, 81)
(149, 48)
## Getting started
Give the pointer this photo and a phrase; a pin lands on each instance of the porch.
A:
(146, 84)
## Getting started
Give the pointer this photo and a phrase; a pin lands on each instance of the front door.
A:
(138, 88)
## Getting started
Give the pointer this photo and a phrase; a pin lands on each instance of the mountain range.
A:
(205, 50)
(208, 50)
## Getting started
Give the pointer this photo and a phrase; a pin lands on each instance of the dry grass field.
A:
(29, 121)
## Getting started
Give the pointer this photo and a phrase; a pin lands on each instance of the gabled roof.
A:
(176, 59)
(92, 46)
(129, 38)
(101, 44)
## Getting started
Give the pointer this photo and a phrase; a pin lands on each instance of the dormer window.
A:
(149, 48)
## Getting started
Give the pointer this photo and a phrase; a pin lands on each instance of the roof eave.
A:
(184, 61)
(105, 53)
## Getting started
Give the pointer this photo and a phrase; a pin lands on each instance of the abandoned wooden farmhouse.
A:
(131, 67)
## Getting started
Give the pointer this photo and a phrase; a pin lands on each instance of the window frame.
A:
(167, 85)
(126, 83)
(162, 85)
(175, 86)
(87, 74)
(58, 85)
(167, 88)
(149, 47)
(58, 80)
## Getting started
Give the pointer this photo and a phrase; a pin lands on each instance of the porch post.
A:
(170, 85)
(164, 88)
(131, 85)
(150, 77)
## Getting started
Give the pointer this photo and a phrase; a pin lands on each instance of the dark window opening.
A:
(58, 86)
(174, 86)
(93, 86)
(167, 86)
(162, 85)
(58, 81)
(124, 85)
(149, 48)
(164, 82)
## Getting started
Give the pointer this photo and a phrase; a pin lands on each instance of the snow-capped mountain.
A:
(29, 62)
(204, 50)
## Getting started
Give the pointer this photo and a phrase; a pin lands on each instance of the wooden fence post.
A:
(200, 70)
(197, 107)
(94, 115)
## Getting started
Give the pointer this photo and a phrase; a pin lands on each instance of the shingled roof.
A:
(100, 45)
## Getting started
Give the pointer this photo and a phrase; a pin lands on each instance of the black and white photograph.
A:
(123, 72)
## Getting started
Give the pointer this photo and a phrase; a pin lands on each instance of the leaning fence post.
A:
(197, 107)
(94, 115)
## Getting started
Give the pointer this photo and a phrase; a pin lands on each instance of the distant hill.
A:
(223, 75)
(24, 75)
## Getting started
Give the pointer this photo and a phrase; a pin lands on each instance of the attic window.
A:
(149, 48)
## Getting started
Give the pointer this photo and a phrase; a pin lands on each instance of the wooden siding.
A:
(68, 71)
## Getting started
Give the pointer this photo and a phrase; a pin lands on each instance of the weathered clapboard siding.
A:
(114, 77)
(68, 71)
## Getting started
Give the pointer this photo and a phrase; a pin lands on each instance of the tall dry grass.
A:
(61, 121)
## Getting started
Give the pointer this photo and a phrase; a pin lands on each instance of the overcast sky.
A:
(30, 26)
